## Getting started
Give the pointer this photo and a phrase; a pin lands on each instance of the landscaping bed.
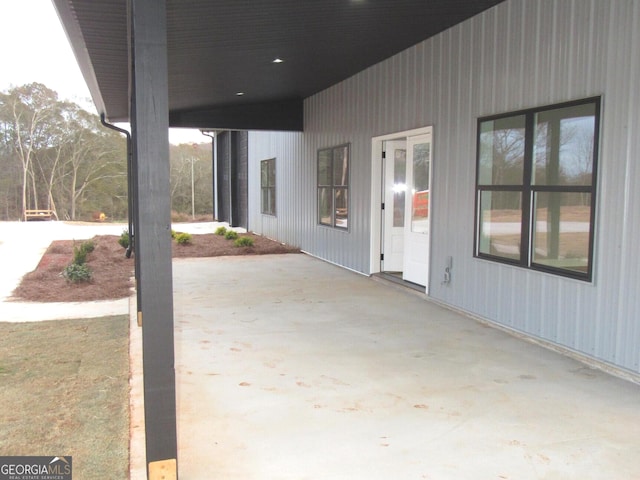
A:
(111, 271)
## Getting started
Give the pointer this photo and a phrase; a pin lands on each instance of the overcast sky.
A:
(35, 49)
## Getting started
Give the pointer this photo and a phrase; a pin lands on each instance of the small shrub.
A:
(174, 234)
(183, 238)
(243, 242)
(88, 246)
(221, 231)
(231, 235)
(123, 241)
(79, 255)
(76, 273)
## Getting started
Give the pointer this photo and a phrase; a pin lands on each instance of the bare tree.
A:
(59, 154)
(29, 112)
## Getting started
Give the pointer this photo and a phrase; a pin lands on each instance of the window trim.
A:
(271, 164)
(333, 187)
(528, 191)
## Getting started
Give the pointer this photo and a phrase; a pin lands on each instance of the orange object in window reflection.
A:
(421, 204)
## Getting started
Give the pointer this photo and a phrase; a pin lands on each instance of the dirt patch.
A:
(112, 271)
(60, 397)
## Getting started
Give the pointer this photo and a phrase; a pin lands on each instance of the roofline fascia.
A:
(76, 40)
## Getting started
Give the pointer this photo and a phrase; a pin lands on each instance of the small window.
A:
(536, 188)
(333, 186)
(268, 186)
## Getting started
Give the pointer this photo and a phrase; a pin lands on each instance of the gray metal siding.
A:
(522, 53)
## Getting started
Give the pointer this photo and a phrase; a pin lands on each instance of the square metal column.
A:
(150, 128)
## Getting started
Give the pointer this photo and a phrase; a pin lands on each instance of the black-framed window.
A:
(536, 187)
(333, 186)
(268, 186)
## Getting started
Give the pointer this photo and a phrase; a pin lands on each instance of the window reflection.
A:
(563, 148)
(420, 188)
(500, 224)
(268, 186)
(399, 186)
(536, 187)
(561, 233)
(333, 186)
(324, 205)
(502, 145)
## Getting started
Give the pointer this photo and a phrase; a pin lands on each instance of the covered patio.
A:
(288, 367)
(292, 368)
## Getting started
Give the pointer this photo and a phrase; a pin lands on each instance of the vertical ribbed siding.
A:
(240, 163)
(520, 54)
(223, 155)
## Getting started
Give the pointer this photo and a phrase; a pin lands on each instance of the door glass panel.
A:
(420, 188)
(399, 186)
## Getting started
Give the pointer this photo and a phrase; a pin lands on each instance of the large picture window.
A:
(536, 187)
(333, 186)
(268, 186)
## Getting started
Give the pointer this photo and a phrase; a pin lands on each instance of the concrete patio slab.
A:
(291, 368)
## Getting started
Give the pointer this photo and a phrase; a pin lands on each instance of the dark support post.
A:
(150, 127)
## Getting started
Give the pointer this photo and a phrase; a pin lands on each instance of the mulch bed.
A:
(112, 271)
(211, 245)
(111, 274)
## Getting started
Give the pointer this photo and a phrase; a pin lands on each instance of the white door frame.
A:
(375, 244)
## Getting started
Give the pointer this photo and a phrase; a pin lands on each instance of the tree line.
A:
(54, 155)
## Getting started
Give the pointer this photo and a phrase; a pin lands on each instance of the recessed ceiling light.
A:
(239, 94)
(278, 60)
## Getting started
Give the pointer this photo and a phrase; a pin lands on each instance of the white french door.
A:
(395, 186)
(416, 220)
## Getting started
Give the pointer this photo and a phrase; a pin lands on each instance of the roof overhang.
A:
(221, 54)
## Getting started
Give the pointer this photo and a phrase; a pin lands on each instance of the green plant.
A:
(243, 242)
(221, 231)
(123, 241)
(88, 246)
(75, 273)
(231, 235)
(80, 252)
(183, 238)
(79, 255)
(174, 234)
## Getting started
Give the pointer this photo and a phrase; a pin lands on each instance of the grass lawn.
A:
(64, 390)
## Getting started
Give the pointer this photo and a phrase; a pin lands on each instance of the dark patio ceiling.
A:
(217, 49)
